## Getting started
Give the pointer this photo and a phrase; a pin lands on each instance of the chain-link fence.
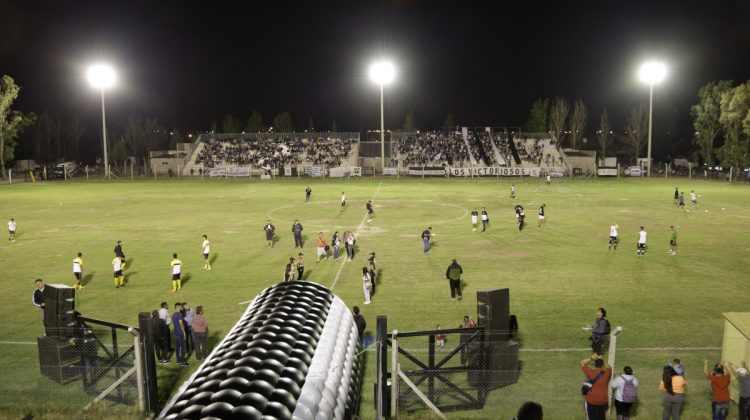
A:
(91, 374)
(473, 374)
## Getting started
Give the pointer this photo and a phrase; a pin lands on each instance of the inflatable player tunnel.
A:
(292, 355)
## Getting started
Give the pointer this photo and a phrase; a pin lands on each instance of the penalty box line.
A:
(356, 235)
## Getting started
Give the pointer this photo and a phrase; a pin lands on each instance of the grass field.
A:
(558, 275)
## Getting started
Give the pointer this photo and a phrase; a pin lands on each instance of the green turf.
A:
(558, 275)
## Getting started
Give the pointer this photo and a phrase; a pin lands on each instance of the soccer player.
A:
(426, 235)
(117, 265)
(270, 230)
(613, 236)
(321, 247)
(12, 230)
(521, 219)
(694, 198)
(541, 215)
(512, 191)
(368, 206)
(343, 199)
(642, 241)
(672, 241)
(206, 249)
(676, 196)
(77, 264)
(119, 253)
(682, 201)
(308, 192)
(297, 233)
(485, 219)
(176, 272)
(474, 218)
(300, 265)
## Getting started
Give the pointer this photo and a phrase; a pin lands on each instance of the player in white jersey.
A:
(694, 198)
(176, 272)
(78, 271)
(613, 236)
(117, 264)
(642, 241)
(206, 249)
(12, 230)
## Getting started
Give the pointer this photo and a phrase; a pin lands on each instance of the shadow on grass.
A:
(185, 279)
(213, 258)
(128, 263)
(87, 278)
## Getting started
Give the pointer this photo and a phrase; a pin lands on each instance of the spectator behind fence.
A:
(673, 387)
(596, 400)
(160, 337)
(720, 386)
(200, 333)
(626, 388)
(743, 377)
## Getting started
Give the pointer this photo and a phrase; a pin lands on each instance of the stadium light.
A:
(652, 73)
(102, 76)
(382, 72)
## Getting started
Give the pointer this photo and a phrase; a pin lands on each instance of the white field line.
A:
(356, 235)
(24, 343)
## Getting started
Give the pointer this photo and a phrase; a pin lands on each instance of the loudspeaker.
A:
(58, 292)
(493, 309)
(59, 360)
(59, 310)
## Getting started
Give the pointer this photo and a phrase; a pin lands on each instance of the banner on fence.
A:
(287, 171)
(606, 171)
(390, 171)
(345, 171)
(314, 171)
(265, 177)
(633, 171)
(556, 172)
(229, 172)
(427, 171)
(493, 171)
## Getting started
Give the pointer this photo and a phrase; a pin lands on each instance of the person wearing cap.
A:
(453, 274)
(720, 385)
(300, 266)
(743, 377)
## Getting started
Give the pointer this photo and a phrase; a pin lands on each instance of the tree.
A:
(706, 118)
(636, 130)
(604, 134)
(449, 125)
(118, 154)
(409, 124)
(558, 118)
(578, 120)
(73, 133)
(537, 122)
(282, 123)
(735, 120)
(310, 125)
(334, 129)
(231, 124)
(255, 123)
(45, 133)
(143, 135)
(12, 123)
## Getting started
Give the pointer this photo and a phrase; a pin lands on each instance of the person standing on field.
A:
(117, 264)
(38, 299)
(270, 230)
(200, 332)
(343, 199)
(321, 247)
(118, 253)
(600, 332)
(336, 245)
(160, 337)
(289, 270)
(297, 232)
(12, 227)
(485, 219)
(308, 192)
(300, 266)
(426, 236)
(676, 196)
(596, 401)
(694, 198)
(541, 215)
(206, 249)
(613, 236)
(349, 243)
(682, 201)
(368, 206)
(672, 241)
(474, 220)
(176, 273)
(512, 191)
(366, 284)
(453, 274)
(78, 271)
(642, 242)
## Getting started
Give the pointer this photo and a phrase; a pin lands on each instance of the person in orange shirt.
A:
(720, 384)
(321, 243)
(673, 387)
(596, 401)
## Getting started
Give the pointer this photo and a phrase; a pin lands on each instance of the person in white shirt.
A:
(343, 200)
(642, 241)
(694, 198)
(164, 313)
(12, 230)
(206, 249)
(626, 389)
(613, 236)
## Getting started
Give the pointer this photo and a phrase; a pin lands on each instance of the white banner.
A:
(390, 171)
(633, 171)
(229, 172)
(345, 171)
(265, 177)
(493, 171)
(287, 171)
(427, 170)
(558, 172)
(606, 171)
(314, 171)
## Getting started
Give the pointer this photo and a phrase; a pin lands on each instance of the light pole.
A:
(382, 72)
(102, 76)
(651, 73)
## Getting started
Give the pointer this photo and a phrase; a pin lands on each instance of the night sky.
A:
(190, 63)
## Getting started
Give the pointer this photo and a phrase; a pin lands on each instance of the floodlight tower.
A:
(102, 77)
(652, 73)
(382, 72)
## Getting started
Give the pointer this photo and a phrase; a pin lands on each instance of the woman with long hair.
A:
(673, 387)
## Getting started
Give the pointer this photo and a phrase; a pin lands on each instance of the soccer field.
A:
(558, 274)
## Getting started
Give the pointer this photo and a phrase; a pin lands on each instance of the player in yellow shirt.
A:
(117, 264)
(78, 271)
(206, 249)
(176, 271)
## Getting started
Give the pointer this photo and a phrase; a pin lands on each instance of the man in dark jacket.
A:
(38, 298)
(453, 274)
(160, 337)
(600, 332)
(297, 232)
(361, 323)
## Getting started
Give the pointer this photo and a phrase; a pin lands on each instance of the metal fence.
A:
(471, 374)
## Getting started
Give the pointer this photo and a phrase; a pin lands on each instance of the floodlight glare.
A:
(652, 72)
(101, 76)
(382, 72)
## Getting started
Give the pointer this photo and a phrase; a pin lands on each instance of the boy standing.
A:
(77, 271)
(176, 273)
(642, 241)
(672, 241)
(12, 230)
(541, 215)
(117, 267)
(485, 219)
(474, 219)
(206, 249)
(613, 236)
(321, 247)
